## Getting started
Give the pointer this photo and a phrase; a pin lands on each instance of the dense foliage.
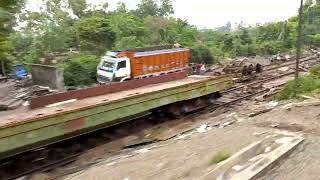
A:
(303, 85)
(80, 70)
(8, 8)
(64, 24)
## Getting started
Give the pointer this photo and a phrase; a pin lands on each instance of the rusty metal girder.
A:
(42, 101)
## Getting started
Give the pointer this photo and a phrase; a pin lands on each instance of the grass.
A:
(219, 157)
(304, 85)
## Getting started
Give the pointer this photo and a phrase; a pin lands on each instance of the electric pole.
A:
(3, 69)
(299, 39)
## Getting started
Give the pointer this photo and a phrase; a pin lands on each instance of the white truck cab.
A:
(113, 68)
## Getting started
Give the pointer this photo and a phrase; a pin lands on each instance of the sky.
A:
(216, 13)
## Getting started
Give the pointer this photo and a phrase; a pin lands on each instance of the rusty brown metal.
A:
(74, 125)
(43, 101)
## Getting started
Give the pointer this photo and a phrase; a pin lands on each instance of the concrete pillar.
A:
(51, 76)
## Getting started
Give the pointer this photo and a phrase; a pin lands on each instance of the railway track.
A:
(62, 153)
(271, 67)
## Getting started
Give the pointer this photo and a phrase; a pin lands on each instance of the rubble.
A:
(272, 104)
(264, 96)
(259, 133)
(284, 140)
(3, 78)
(259, 112)
(303, 69)
(227, 124)
(284, 69)
(183, 136)
(22, 92)
(143, 150)
(305, 97)
(266, 108)
(256, 158)
(237, 168)
(238, 119)
(203, 128)
(287, 107)
(304, 104)
(268, 149)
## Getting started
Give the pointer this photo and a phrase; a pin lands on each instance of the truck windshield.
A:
(108, 66)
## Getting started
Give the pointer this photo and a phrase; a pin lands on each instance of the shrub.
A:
(303, 85)
(270, 47)
(315, 71)
(80, 70)
(219, 156)
(201, 54)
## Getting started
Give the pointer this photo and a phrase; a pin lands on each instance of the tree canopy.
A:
(8, 10)
(62, 25)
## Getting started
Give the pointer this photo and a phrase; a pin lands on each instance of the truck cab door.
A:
(123, 69)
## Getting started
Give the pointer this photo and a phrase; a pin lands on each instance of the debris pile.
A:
(23, 91)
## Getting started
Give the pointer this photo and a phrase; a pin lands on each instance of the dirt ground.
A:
(187, 156)
(184, 157)
(303, 162)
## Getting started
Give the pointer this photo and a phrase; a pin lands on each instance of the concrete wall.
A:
(50, 76)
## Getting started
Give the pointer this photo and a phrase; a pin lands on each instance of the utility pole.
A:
(3, 70)
(299, 39)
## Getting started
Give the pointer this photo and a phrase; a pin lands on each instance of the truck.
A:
(120, 66)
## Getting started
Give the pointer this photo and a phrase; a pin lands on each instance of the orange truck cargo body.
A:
(159, 61)
(119, 66)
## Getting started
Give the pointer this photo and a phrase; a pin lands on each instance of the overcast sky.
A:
(215, 13)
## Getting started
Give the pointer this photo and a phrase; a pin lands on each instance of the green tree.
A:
(228, 44)
(314, 39)
(125, 25)
(54, 40)
(95, 34)
(78, 7)
(155, 30)
(245, 37)
(128, 43)
(269, 32)
(21, 44)
(225, 28)
(80, 70)
(147, 8)
(54, 18)
(166, 8)
(8, 9)
(201, 54)
(179, 31)
(121, 7)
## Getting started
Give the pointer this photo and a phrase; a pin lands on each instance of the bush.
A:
(201, 54)
(303, 85)
(80, 70)
(270, 47)
(219, 157)
(315, 71)
(314, 39)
